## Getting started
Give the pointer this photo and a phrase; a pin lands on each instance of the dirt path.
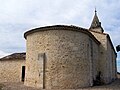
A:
(19, 86)
(113, 86)
(15, 86)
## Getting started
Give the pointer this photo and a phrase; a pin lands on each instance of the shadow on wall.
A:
(98, 80)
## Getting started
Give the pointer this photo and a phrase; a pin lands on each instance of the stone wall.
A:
(111, 58)
(94, 58)
(107, 57)
(60, 59)
(11, 70)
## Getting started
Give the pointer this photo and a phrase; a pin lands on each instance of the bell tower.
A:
(96, 24)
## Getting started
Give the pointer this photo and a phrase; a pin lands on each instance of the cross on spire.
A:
(95, 10)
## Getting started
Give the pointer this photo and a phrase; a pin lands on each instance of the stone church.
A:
(63, 57)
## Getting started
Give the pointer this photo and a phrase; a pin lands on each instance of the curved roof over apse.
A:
(61, 27)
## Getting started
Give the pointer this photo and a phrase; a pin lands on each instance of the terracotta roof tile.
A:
(14, 56)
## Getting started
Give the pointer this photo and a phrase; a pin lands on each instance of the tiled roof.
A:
(18, 56)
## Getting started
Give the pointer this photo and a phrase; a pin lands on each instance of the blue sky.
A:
(18, 16)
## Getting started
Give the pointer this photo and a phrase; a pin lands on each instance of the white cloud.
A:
(2, 54)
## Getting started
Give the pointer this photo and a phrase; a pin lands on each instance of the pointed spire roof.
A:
(96, 23)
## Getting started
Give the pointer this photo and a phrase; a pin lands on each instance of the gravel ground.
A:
(19, 86)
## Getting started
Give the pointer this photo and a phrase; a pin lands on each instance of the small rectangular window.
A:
(23, 73)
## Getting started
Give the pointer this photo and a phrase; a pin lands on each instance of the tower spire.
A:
(95, 10)
(96, 23)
